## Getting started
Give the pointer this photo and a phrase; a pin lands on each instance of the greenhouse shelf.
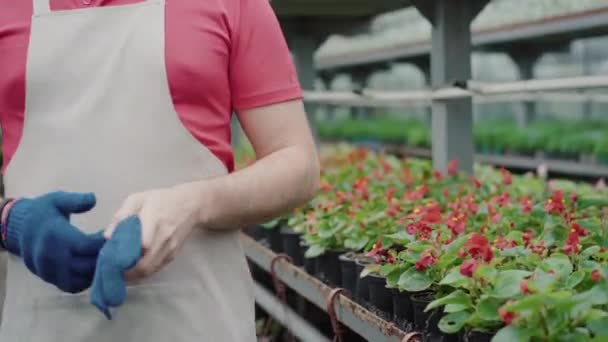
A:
(286, 316)
(349, 313)
(569, 168)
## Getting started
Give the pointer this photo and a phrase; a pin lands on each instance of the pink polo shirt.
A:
(221, 55)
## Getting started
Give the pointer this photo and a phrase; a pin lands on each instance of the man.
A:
(119, 108)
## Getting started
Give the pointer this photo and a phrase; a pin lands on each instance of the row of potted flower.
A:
(584, 141)
(495, 256)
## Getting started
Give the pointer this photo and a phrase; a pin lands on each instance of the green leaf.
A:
(454, 279)
(392, 277)
(356, 244)
(592, 201)
(506, 284)
(401, 237)
(453, 322)
(449, 308)
(559, 263)
(589, 252)
(485, 272)
(487, 308)
(512, 333)
(543, 282)
(314, 251)
(369, 269)
(599, 326)
(456, 297)
(414, 281)
(515, 235)
(574, 279)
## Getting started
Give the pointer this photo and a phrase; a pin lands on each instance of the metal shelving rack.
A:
(348, 312)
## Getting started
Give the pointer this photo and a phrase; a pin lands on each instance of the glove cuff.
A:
(17, 216)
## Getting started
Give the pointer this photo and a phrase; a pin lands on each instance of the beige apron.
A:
(99, 117)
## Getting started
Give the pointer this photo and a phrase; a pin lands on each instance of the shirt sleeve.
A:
(261, 69)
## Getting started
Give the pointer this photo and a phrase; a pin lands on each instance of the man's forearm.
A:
(270, 187)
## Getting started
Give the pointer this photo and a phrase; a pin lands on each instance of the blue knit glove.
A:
(39, 231)
(120, 253)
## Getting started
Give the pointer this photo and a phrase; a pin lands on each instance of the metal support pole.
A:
(330, 110)
(452, 122)
(424, 65)
(304, 48)
(525, 62)
(360, 78)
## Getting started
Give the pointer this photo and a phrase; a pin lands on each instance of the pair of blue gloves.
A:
(39, 231)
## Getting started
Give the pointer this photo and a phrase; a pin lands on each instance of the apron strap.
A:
(42, 7)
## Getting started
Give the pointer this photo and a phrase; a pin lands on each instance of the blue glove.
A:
(39, 231)
(120, 253)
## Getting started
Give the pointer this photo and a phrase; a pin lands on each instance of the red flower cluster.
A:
(572, 243)
(422, 230)
(453, 168)
(555, 204)
(468, 267)
(523, 287)
(417, 194)
(506, 176)
(457, 222)
(437, 175)
(502, 244)
(526, 204)
(427, 259)
(478, 247)
(506, 316)
(596, 276)
(361, 189)
(475, 183)
(381, 255)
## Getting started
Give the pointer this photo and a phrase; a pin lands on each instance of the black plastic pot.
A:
(403, 313)
(255, 232)
(380, 296)
(427, 321)
(477, 336)
(310, 264)
(348, 269)
(328, 268)
(291, 245)
(362, 288)
(274, 239)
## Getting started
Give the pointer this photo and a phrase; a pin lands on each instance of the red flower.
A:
(596, 276)
(526, 204)
(503, 199)
(420, 229)
(393, 210)
(555, 204)
(386, 166)
(417, 194)
(503, 244)
(432, 213)
(528, 236)
(578, 229)
(325, 186)
(376, 248)
(390, 192)
(506, 316)
(377, 174)
(468, 268)
(475, 183)
(572, 244)
(424, 262)
(456, 223)
(407, 176)
(453, 168)
(506, 176)
(523, 287)
(479, 247)
(437, 175)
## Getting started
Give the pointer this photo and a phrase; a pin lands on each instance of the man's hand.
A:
(167, 217)
(39, 231)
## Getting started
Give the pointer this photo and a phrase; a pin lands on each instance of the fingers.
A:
(87, 245)
(130, 207)
(78, 284)
(159, 255)
(73, 202)
(125, 245)
(83, 266)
